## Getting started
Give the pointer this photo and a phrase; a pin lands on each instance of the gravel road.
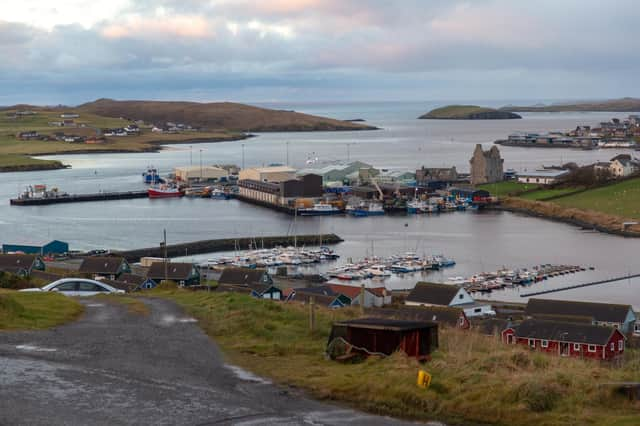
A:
(112, 367)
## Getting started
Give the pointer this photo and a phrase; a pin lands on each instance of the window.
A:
(591, 348)
(612, 346)
(576, 347)
(71, 286)
(532, 343)
(476, 310)
(544, 343)
(620, 345)
(82, 286)
(461, 296)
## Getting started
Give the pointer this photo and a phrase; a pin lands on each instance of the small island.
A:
(468, 112)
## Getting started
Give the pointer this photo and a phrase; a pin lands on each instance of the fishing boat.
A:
(366, 209)
(165, 191)
(151, 176)
(416, 206)
(218, 194)
(319, 209)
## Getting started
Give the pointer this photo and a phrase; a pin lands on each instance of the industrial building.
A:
(41, 248)
(197, 173)
(268, 174)
(282, 193)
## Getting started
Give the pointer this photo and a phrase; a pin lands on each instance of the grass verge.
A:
(134, 305)
(19, 311)
(476, 379)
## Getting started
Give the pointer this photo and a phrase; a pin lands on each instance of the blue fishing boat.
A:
(151, 176)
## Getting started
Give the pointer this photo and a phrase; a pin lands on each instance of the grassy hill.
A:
(218, 115)
(614, 105)
(35, 310)
(468, 112)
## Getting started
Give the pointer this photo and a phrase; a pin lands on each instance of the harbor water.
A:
(478, 241)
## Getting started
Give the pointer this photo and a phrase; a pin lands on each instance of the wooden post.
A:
(312, 314)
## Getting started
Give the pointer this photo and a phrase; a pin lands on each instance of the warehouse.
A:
(41, 248)
(268, 174)
(204, 173)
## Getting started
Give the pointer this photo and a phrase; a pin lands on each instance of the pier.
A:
(77, 198)
(571, 287)
(228, 244)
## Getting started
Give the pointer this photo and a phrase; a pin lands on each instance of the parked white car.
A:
(77, 287)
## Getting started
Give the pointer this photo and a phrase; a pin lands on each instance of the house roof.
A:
(353, 292)
(241, 276)
(318, 299)
(121, 285)
(493, 326)
(607, 312)
(564, 331)
(16, 262)
(175, 271)
(324, 290)
(101, 265)
(439, 314)
(434, 294)
(132, 279)
(387, 324)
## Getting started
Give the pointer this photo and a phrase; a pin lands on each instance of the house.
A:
(373, 296)
(443, 315)
(567, 338)
(322, 295)
(366, 336)
(486, 166)
(265, 291)
(542, 177)
(609, 314)
(425, 175)
(623, 165)
(431, 294)
(42, 248)
(184, 274)
(138, 282)
(69, 115)
(21, 264)
(244, 276)
(31, 134)
(109, 267)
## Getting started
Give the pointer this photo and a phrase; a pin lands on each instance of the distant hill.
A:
(614, 105)
(468, 112)
(218, 115)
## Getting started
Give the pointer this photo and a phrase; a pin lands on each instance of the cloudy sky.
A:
(71, 51)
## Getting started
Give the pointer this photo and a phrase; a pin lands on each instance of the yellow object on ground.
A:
(424, 379)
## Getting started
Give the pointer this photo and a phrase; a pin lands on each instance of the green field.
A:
(17, 153)
(620, 199)
(543, 194)
(21, 311)
(476, 379)
(507, 188)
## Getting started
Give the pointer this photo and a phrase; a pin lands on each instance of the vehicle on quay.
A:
(76, 287)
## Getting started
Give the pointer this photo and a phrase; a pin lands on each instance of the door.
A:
(564, 349)
(510, 339)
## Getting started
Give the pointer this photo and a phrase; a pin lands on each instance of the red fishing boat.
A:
(164, 191)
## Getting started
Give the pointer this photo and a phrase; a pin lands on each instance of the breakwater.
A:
(228, 244)
(77, 198)
(609, 280)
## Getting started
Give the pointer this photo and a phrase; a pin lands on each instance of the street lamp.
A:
(287, 153)
(243, 156)
(200, 165)
(349, 151)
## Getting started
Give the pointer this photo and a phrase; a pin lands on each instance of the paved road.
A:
(112, 367)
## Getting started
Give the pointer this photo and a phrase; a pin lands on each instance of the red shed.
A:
(567, 339)
(386, 336)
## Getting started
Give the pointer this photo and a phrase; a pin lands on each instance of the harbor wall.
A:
(227, 244)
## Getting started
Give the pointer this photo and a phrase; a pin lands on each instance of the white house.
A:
(430, 294)
(623, 165)
(542, 177)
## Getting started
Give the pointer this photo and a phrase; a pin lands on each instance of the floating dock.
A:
(228, 244)
(78, 198)
(609, 280)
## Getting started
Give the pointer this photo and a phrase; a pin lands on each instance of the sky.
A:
(73, 51)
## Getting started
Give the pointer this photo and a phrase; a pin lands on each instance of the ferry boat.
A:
(165, 191)
(319, 210)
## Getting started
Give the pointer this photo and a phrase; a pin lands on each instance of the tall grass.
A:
(20, 311)
(476, 379)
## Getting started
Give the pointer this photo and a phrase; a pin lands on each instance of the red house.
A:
(567, 339)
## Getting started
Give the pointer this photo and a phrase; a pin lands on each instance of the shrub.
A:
(538, 397)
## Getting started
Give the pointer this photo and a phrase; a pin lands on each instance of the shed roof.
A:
(387, 324)
(132, 279)
(241, 276)
(434, 294)
(101, 265)
(175, 271)
(439, 314)
(564, 331)
(604, 312)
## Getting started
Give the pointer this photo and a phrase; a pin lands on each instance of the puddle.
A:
(95, 305)
(247, 376)
(170, 319)
(33, 348)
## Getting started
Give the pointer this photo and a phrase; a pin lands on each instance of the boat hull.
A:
(156, 193)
